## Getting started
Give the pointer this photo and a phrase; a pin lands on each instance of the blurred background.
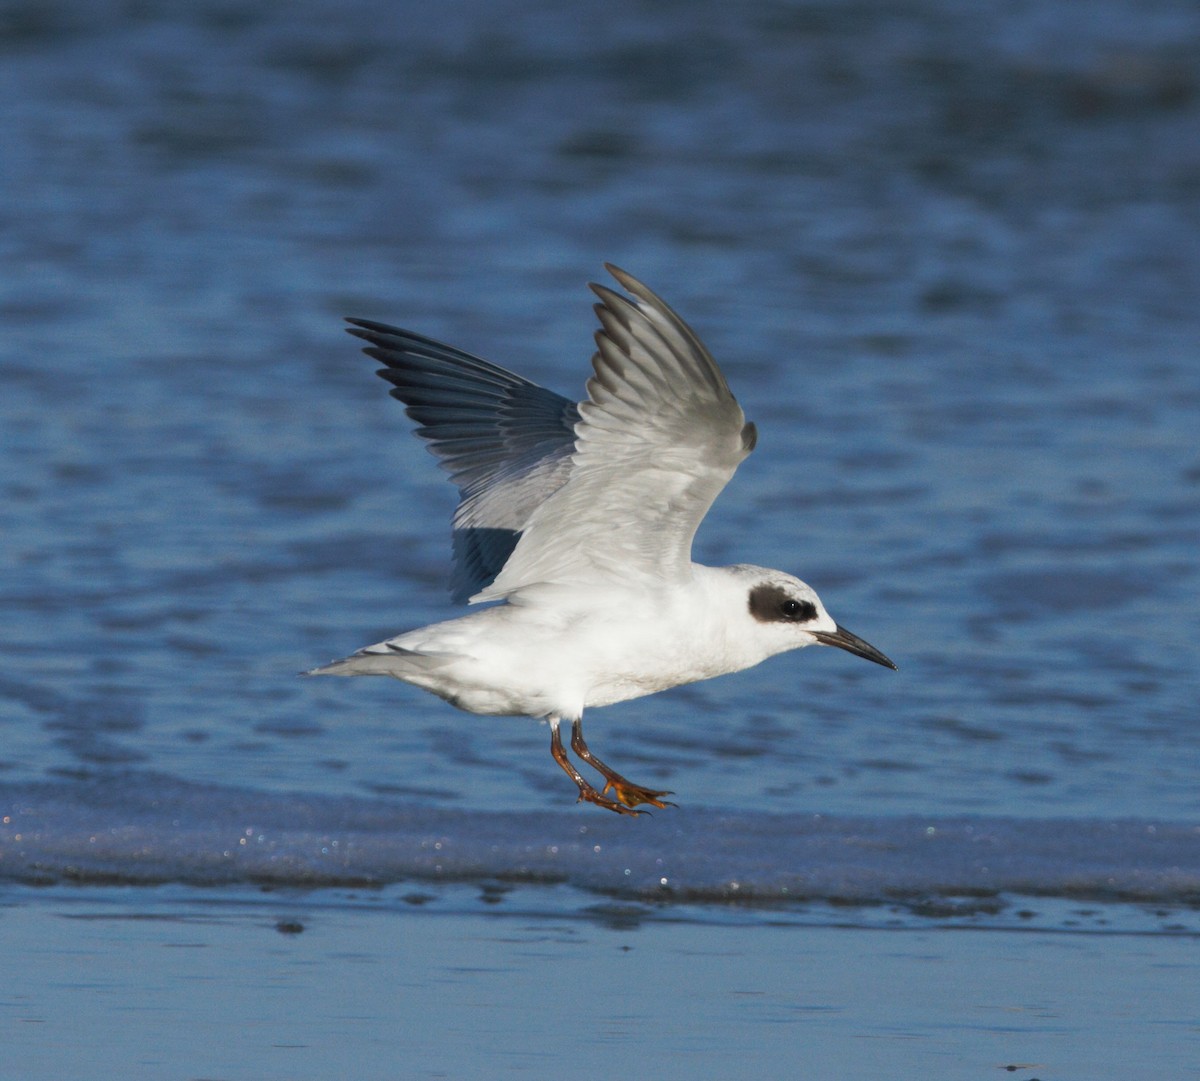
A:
(946, 252)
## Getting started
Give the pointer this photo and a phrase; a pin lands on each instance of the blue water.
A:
(946, 254)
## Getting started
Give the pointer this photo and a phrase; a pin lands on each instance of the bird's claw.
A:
(628, 794)
(631, 795)
(590, 795)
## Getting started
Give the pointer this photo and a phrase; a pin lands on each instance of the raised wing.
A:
(506, 442)
(658, 438)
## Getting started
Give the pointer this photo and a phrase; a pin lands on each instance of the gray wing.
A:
(658, 438)
(506, 442)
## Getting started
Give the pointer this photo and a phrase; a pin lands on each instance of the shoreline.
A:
(146, 984)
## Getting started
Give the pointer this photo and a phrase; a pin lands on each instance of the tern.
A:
(579, 519)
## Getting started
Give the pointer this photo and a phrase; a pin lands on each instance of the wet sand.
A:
(136, 984)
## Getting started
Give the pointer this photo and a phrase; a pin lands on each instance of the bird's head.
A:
(786, 613)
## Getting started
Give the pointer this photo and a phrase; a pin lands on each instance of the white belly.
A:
(516, 660)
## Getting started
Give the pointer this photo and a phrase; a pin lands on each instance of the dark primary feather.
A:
(506, 442)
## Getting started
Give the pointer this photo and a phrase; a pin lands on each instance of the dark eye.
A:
(770, 603)
(798, 611)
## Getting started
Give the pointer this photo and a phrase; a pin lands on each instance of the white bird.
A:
(580, 518)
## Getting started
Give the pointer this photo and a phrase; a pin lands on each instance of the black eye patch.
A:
(773, 604)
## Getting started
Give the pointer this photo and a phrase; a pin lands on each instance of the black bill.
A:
(851, 643)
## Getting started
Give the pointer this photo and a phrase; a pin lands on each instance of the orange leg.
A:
(627, 792)
(586, 791)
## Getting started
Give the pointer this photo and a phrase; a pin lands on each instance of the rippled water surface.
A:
(946, 254)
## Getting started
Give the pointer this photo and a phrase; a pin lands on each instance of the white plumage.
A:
(580, 519)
